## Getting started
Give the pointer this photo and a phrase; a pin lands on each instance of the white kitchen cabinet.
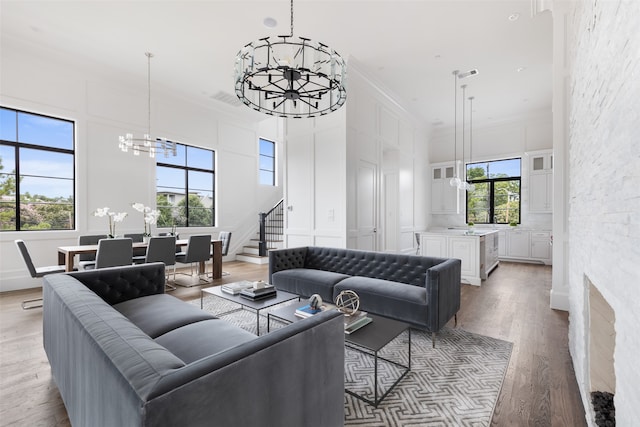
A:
(541, 192)
(541, 182)
(518, 244)
(443, 195)
(525, 245)
(502, 243)
(541, 246)
(491, 249)
(434, 245)
(477, 260)
(540, 162)
(466, 249)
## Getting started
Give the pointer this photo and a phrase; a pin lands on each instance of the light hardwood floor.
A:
(513, 304)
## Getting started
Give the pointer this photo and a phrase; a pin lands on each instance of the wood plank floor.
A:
(513, 304)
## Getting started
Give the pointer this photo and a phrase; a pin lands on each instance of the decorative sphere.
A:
(348, 302)
(315, 301)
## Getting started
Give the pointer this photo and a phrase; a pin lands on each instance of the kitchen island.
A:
(477, 249)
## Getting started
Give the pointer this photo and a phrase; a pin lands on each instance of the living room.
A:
(590, 129)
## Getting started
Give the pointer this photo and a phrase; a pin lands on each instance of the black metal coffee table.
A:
(279, 298)
(370, 339)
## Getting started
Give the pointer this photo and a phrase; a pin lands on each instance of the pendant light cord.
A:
(291, 19)
(464, 169)
(470, 128)
(455, 123)
(149, 56)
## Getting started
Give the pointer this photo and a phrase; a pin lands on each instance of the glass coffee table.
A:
(279, 298)
(370, 339)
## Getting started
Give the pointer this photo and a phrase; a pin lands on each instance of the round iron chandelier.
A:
(290, 76)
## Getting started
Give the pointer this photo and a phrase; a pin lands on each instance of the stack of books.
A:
(355, 321)
(237, 287)
(254, 294)
(307, 311)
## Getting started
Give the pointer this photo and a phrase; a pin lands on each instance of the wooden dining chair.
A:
(35, 272)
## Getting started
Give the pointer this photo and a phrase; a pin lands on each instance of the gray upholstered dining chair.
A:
(225, 237)
(113, 253)
(86, 261)
(35, 272)
(163, 249)
(139, 254)
(198, 250)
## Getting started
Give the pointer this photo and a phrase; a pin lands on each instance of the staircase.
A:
(268, 237)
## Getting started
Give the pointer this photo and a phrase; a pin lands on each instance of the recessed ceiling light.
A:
(514, 17)
(270, 22)
(520, 69)
(437, 57)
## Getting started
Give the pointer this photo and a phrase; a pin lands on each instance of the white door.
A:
(367, 205)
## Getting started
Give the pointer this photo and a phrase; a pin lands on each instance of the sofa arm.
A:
(443, 292)
(118, 284)
(285, 259)
(292, 376)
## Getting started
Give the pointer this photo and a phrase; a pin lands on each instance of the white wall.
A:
(355, 178)
(105, 105)
(383, 133)
(604, 195)
(315, 181)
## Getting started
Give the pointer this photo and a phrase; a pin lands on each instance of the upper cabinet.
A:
(443, 195)
(541, 182)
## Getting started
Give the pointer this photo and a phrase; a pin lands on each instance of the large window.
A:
(36, 172)
(184, 189)
(267, 162)
(496, 197)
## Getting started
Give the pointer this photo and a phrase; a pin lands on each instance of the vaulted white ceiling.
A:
(411, 47)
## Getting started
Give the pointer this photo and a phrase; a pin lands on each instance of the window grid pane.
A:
(185, 194)
(40, 151)
(267, 160)
(496, 197)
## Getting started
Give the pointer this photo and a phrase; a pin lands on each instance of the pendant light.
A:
(147, 144)
(290, 76)
(455, 181)
(470, 186)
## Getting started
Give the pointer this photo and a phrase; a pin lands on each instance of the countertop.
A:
(462, 231)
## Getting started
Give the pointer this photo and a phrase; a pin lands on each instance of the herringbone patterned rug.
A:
(455, 384)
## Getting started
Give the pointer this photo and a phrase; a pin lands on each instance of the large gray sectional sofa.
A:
(421, 291)
(123, 353)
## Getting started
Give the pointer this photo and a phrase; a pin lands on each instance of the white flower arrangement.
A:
(113, 218)
(150, 216)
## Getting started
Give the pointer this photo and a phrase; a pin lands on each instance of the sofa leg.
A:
(455, 320)
(433, 339)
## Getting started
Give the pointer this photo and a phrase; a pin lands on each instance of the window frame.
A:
(273, 162)
(186, 169)
(492, 182)
(17, 146)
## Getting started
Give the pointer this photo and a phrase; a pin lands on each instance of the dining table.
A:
(66, 255)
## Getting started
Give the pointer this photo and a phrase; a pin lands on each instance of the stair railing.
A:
(271, 225)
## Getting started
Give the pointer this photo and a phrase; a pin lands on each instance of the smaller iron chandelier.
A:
(290, 77)
(147, 144)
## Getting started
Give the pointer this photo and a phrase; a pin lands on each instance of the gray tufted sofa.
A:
(421, 291)
(123, 353)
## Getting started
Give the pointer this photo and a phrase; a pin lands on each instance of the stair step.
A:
(251, 258)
